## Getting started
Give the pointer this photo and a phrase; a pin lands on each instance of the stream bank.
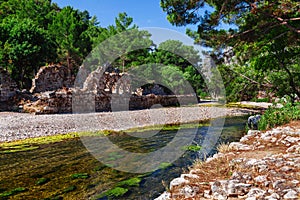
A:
(18, 126)
(262, 165)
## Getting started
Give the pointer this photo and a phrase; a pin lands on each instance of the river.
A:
(67, 170)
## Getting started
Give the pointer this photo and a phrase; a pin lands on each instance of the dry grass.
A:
(207, 172)
(224, 148)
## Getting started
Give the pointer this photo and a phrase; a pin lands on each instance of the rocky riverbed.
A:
(16, 126)
(263, 165)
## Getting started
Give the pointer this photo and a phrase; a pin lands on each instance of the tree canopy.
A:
(37, 33)
(263, 36)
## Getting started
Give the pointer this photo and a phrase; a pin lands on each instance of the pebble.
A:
(260, 179)
(291, 194)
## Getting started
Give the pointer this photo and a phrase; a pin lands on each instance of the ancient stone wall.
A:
(8, 87)
(51, 78)
(107, 83)
(97, 91)
(62, 101)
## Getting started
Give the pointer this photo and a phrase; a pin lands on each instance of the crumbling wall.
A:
(64, 100)
(8, 87)
(51, 78)
(96, 91)
(107, 83)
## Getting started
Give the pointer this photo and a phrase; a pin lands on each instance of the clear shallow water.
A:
(66, 170)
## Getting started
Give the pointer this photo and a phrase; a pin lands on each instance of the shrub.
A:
(278, 116)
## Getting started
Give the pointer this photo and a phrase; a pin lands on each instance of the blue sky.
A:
(147, 13)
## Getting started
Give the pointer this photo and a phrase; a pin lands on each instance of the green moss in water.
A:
(18, 148)
(114, 156)
(80, 176)
(115, 192)
(168, 127)
(99, 168)
(69, 189)
(165, 165)
(239, 105)
(130, 182)
(13, 192)
(193, 148)
(42, 181)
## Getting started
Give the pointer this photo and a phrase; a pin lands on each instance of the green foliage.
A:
(278, 116)
(36, 33)
(25, 47)
(261, 100)
(69, 30)
(258, 41)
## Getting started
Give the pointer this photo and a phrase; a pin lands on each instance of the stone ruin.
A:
(8, 87)
(8, 90)
(50, 78)
(55, 91)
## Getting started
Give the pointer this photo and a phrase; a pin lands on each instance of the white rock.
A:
(291, 139)
(251, 198)
(231, 189)
(275, 196)
(244, 139)
(260, 179)
(286, 169)
(216, 186)
(273, 139)
(206, 194)
(177, 182)
(189, 192)
(293, 148)
(192, 176)
(295, 182)
(253, 132)
(164, 196)
(240, 146)
(291, 194)
(256, 192)
(243, 186)
(220, 195)
(267, 183)
(261, 147)
(277, 183)
(270, 198)
(266, 138)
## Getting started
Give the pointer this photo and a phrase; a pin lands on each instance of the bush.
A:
(279, 116)
(261, 100)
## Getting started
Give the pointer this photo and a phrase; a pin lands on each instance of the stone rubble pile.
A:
(273, 176)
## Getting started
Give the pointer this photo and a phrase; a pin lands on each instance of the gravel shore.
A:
(262, 165)
(17, 126)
